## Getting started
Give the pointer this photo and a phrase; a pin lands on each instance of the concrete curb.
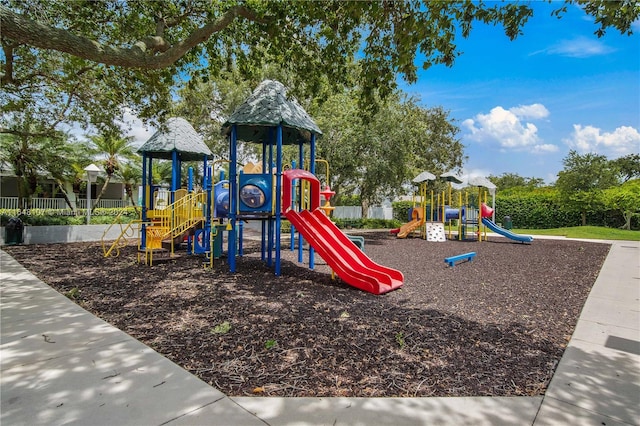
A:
(65, 234)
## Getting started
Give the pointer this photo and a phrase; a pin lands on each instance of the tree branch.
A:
(23, 134)
(7, 77)
(141, 55)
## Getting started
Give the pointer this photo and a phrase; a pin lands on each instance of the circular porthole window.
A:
(252, 196)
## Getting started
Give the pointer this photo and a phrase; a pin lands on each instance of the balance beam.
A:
(453, 259)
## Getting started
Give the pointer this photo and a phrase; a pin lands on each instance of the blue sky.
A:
(522, 105)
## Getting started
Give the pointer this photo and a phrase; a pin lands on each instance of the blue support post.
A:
(263, 223)
(145, 189)
(208, 184)
(263, 246)
(233, 198)
(175, 174)
(278, 196)
(272, 138)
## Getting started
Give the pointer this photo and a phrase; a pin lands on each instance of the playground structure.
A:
(431, 218)
(255, 193)
(168, 216)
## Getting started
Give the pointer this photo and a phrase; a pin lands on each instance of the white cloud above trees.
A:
(622, 141)
(510, 129)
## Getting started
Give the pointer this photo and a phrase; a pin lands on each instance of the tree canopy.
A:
(626, 199)
(628, 167)
(131, 52)
(510, 181)
(376, 159)
(583, 179)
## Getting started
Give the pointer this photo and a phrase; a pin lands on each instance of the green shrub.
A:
(401, 210)
(367, 223)
(285, 227)
(49, 217)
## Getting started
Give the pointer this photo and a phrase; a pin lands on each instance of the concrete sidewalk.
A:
(61, 365)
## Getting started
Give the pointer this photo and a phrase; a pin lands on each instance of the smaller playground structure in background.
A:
(434, 216)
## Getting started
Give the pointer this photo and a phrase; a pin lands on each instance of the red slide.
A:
(342, 255)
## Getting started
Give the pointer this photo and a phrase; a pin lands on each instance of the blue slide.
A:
(498, 230)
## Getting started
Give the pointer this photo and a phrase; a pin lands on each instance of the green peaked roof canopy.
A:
(176, 135)
(267, 107)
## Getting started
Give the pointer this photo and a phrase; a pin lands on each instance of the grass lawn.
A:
(590, 232)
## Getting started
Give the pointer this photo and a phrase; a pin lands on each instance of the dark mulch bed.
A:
(495, 326)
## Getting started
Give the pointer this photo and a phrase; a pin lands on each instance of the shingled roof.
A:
(267, 107)
(176, 135)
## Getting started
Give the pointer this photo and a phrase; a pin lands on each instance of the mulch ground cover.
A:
(495, 326)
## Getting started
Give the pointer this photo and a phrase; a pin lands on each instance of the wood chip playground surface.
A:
(493, 326)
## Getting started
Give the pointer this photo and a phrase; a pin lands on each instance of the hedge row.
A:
(542, 210)
(347, 224)
(41, 217)
(537, 210)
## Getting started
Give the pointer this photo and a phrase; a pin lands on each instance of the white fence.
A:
(355, 212)
(340, 212)
(105, 204)
(58, 203)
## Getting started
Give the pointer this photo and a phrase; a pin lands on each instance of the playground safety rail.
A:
(127, 231)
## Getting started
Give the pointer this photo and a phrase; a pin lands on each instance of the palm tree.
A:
(114, 148)
(64, 164)
(33, 157)
(162, 172)
(23, 158)
(131, 175)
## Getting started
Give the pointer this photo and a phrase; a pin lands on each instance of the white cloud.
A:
(509, 129)
(580, 47)
(533, 111)
(544, 148)
(622, 141)
(133, 126)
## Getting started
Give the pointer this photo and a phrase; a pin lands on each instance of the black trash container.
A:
(13, 232)
(508, 224)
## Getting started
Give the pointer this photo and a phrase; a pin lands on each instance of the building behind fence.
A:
(59, 203)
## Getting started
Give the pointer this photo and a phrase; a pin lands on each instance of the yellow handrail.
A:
(126, 231)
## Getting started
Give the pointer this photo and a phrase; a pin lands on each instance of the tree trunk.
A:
(584, 218)
(24, 196)
(64, 194)
(627, 220)
(129, 190)
(364, 209)
(104, 188)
